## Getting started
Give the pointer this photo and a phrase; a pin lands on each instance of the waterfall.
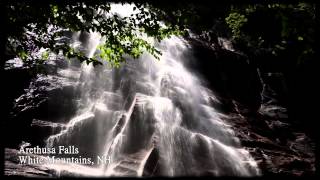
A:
(149, 109)
(149, 117)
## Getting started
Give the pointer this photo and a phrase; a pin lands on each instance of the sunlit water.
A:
(147, 109)
(149, 105)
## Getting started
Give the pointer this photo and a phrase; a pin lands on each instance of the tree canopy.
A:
(274, 27)
(280, 29)
(34, 26)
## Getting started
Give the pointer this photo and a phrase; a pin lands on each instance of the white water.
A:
(149, 105)
(147, 109)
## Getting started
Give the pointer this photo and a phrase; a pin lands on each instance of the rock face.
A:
(44, 91)
(279, 148)
(257, 102)
(233, 79)
(13, 168)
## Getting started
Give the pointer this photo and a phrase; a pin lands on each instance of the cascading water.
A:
(149, 109)
(147, 118)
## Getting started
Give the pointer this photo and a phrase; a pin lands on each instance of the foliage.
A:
(236, 21)
(35, 27)
(278, 28)
(40, 27)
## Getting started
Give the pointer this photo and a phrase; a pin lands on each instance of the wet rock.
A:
(41, 90)
(49, 98)
(151, 167)
(41, 130)
(230, 75)
(275, 88)
(274, 111)
(13, 168)
(284, 150)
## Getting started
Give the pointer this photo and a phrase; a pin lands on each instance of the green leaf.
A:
(45, 55)
(23, 55)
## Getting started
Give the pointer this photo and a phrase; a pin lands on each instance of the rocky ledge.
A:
(277, 146)
(13, 168)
